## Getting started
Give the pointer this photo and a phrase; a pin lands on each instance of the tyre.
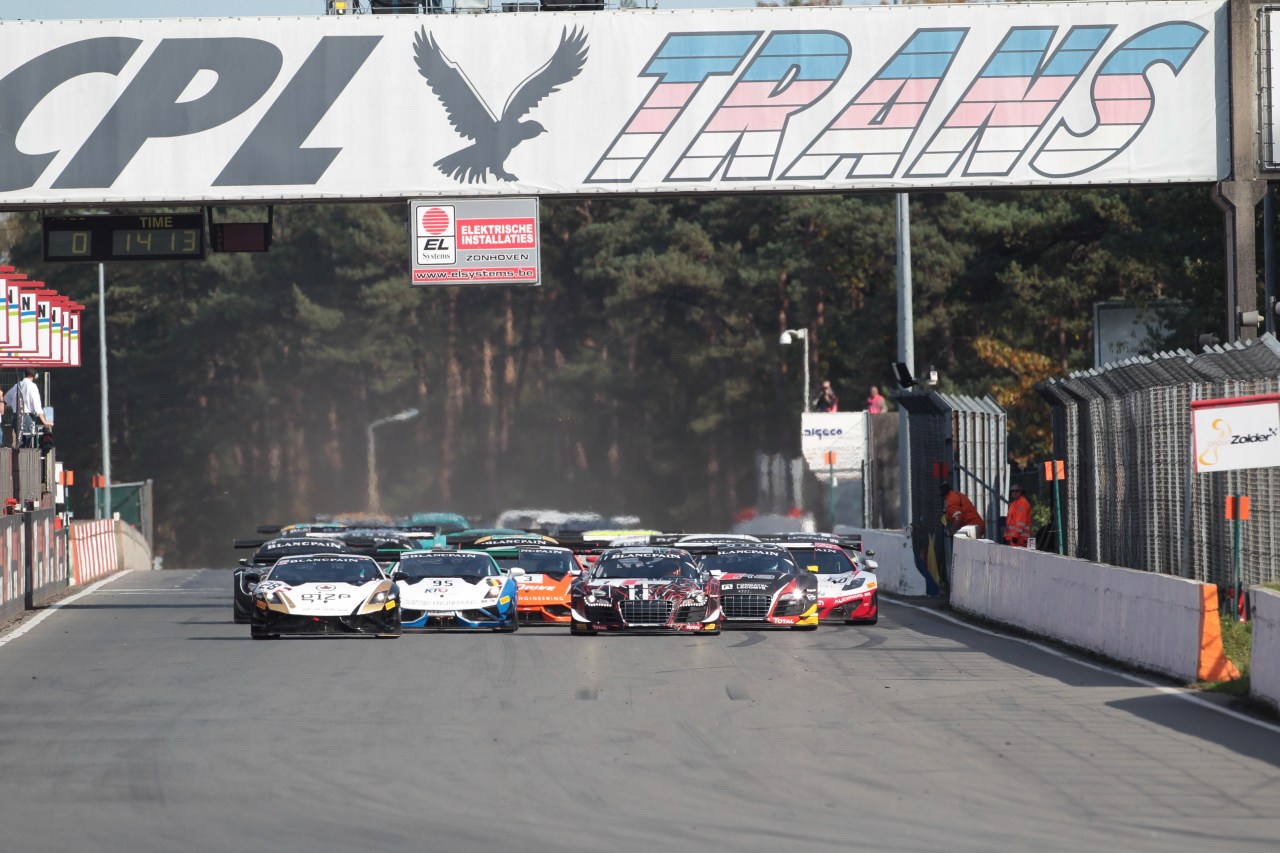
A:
(262, 635)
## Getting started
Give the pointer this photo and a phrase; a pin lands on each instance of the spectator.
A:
(827, 400)
(875, 402)
(958, 511)
(1017, 527)
(23, 401)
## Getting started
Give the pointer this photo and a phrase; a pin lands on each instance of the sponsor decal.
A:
(505, 599)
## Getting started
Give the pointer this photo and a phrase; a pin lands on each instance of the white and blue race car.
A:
(456, 589)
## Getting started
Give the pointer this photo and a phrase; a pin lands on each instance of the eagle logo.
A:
(494, 137)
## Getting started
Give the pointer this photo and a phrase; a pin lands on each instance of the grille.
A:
(652, 612)
(745, 606)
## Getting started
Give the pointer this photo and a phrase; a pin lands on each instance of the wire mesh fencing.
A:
(1131, 495)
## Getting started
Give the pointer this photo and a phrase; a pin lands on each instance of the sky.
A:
(15, 9)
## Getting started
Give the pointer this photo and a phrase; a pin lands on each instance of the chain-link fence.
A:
(1131, 497)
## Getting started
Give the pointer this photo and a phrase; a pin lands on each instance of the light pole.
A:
(374, 504)
(802, 335)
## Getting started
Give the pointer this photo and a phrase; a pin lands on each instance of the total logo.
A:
(823, 432)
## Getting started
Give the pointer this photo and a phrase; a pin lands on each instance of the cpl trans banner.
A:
(796, 99)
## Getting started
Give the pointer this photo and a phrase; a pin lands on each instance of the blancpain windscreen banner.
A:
(841, 434)
(796, 99)
(1233, 436)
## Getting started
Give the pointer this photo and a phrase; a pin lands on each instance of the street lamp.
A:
(374, 504)
(799, 335)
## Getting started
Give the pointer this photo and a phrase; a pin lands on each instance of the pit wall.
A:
(1264, 666)
(1141, 619)
(896, 573)
(39, 559)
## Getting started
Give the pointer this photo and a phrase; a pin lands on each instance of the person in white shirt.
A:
(22, 402)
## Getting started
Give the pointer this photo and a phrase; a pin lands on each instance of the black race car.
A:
(761, 584)
(645, 589)
(265, 557)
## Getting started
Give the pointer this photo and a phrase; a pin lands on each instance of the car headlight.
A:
(380, 597)
(493, 592)
(698, 598)
(856, 583)
(270, 596)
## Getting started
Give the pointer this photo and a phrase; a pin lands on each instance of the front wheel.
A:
(513, 627)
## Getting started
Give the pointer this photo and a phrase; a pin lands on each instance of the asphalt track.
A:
(138, 717)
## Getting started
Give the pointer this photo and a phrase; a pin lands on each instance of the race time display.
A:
(142, 237)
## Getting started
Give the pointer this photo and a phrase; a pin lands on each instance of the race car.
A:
(324, 594)
(264, 558)
(543, 589)
(846, 588)
(456, 589)
(645, 589)
(760, 584)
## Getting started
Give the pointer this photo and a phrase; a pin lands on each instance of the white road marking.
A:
(44, 614)
(1184, 693)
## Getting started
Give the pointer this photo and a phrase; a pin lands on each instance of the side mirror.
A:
(871, 553)
(243, 562)
(516, 572)
(252, 578)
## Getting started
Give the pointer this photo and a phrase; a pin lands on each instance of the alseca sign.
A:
(1233, 434)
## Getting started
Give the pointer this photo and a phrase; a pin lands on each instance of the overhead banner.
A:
(796, 99)
(1232, 434)
(834, 442)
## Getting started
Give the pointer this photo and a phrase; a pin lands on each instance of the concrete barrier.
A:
(135, 554)
(1142, 619)
(94, 549)
(897, 573)
(1264, 667)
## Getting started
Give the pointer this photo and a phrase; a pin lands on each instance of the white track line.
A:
(44, 614)
(1179, 692)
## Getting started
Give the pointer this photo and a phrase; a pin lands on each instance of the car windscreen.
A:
(297, 572)
(642, 567)
(748, 562)
(554, 564)
(829, 562)
(446, 565)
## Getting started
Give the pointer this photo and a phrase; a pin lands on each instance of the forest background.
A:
(642, 377)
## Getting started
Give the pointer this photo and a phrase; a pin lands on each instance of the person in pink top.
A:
(875, 402)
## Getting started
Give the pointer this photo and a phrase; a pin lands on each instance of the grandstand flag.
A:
(72, 325)
(44, 334)
(4, 303)
(13, 313)
(56, 358)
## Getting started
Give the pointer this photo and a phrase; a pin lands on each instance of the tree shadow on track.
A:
(1192, 719)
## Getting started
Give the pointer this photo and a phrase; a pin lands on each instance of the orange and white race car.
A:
(543, 590)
